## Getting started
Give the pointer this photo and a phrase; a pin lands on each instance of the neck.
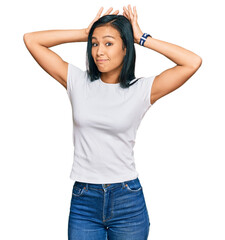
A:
(111, 77)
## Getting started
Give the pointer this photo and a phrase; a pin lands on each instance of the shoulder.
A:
(76, 74)
(75, 77)
(74, 70)
(143, 88)
(143, 82)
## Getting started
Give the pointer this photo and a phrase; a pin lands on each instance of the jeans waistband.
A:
(106, 186)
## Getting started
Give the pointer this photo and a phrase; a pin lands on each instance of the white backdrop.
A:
(179, 146)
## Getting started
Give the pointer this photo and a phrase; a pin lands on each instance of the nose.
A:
(100, 50)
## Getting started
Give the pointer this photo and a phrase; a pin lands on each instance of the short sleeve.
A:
(146, 87)
(74, 77)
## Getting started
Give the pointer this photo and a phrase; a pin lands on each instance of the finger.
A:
(130, 11)
(110, 9)
(99, 12)
(129, 7)
(116, 12)
(135, 13)
(126, 11)
(124, 14)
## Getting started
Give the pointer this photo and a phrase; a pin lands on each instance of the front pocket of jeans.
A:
(133, 188)
(77, 192)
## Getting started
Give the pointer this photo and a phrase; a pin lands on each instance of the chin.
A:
(102, 70)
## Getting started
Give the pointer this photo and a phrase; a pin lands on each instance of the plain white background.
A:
(179, 146)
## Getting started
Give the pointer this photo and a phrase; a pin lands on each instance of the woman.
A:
(108, 104)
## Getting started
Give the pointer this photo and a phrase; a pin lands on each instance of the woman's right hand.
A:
(87, 30)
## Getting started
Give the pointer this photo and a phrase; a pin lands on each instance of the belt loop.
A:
(123, 184)
(86, 186)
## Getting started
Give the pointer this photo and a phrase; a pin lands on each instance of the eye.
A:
(93, 44)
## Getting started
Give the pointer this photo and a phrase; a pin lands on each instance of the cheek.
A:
(118, 56)
(93, 50)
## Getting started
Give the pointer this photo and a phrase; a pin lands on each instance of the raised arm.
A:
(172, 78)
(38, 44)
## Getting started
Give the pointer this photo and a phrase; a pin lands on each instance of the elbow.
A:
(25, 36)
(197, 62)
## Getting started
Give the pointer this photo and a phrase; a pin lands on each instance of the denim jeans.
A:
(115, 211)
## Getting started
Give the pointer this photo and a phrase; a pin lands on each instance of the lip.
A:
(101, 60)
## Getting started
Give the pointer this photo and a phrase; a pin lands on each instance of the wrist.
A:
(85, 34)
(85, 31)
(138, 38)
(144, 38)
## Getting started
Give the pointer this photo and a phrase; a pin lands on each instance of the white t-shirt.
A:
(105, 121)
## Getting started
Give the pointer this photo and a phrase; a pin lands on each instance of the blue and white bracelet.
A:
(143, 38)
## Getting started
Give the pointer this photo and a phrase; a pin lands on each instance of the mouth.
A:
(102, 60)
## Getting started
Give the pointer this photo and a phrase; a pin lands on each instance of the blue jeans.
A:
(108, 211)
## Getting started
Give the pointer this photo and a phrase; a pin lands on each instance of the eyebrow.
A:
(104, 37)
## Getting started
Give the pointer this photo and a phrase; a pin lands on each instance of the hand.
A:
(132, 17)
(87, 30)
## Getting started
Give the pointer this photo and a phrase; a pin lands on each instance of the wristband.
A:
(143, 38)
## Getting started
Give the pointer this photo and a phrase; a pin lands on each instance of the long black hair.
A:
(124, 27)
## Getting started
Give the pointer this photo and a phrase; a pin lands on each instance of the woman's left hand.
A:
(132, 17)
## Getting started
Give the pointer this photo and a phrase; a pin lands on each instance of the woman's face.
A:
(107, 50)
